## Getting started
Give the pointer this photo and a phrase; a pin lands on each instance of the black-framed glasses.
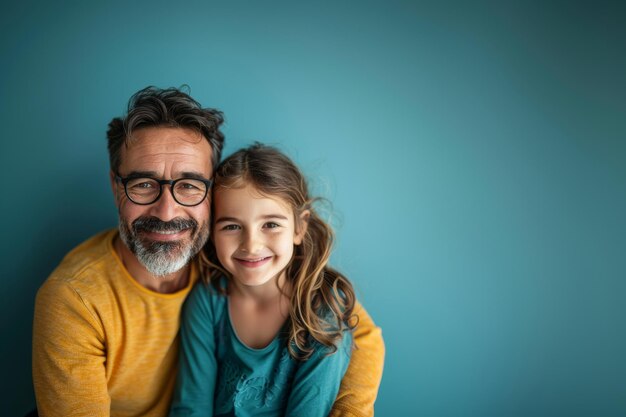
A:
(144, 190)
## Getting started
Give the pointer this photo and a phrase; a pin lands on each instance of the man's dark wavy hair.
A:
(168, 107)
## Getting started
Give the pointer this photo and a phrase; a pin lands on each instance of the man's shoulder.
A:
(88, 265)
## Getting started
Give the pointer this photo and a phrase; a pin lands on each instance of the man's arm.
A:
(68, 355)
(359, 386)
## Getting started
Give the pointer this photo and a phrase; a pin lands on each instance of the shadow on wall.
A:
(66, 215)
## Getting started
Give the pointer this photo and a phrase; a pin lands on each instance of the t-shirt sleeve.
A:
(195, 383)
(316, 381)
(359, 386)
(68, 355)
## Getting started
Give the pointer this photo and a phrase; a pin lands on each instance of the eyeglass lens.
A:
(146, 190)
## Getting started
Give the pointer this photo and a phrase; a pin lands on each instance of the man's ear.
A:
(301, 226)
(114, 188)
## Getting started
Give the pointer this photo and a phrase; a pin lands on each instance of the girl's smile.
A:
(253, 263)
(254, 237)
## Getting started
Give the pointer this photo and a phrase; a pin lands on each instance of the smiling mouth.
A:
(165, 234)
(252, 263)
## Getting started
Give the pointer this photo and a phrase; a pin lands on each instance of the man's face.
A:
(164, 235)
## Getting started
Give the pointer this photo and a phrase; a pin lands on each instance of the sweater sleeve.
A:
(359, 386)
(68, 355)
(197, 373)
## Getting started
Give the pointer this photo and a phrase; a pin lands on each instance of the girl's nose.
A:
(251, 243)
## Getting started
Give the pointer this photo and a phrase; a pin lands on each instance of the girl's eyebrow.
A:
(225, 219)
(265, 217)
(274, 216)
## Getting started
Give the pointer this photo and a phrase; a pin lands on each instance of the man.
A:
(106, 320)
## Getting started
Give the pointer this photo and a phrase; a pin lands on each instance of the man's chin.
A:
(162, 263)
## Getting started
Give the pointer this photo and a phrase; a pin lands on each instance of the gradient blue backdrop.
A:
(475, 156)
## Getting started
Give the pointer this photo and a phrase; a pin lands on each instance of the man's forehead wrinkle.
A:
(166, 155)
(169, 152)
(162, 147)
(164, 163)
(177, 161)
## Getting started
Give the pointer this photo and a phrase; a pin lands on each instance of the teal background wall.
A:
(475, 156)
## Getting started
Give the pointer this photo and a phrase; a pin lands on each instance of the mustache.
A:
(154, 224)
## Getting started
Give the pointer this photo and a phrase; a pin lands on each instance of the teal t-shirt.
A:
(220, 376)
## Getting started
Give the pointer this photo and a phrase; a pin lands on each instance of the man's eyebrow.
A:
(153, 174)
(194, 175)
(142, 174)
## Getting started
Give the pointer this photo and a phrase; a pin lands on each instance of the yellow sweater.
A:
(103, 345)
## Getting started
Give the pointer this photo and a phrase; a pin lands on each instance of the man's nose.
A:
(165, 208)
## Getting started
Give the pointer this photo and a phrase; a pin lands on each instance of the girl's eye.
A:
(271, 225)
(231, 227)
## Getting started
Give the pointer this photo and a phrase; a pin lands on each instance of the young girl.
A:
(270, 332)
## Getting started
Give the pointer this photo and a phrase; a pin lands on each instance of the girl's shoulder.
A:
(207, 299)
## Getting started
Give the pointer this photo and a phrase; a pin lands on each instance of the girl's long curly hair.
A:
(322, 300)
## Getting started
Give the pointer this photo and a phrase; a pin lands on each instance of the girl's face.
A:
(254, 235)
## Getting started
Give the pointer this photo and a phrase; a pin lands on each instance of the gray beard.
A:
(163, 258)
